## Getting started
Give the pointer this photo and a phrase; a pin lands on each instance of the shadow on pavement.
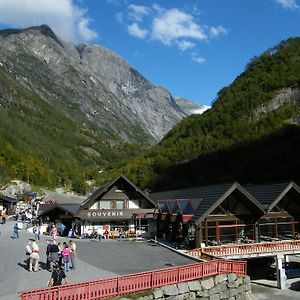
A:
(24, 265)
(295, 286)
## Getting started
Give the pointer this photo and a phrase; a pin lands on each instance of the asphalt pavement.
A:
(98, 260)
(95, 260)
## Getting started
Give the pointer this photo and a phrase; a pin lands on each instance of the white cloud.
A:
(289, 4)
(137, 12)
(198, 59)
(217, 31)
(136, 31)
(84, 31)
(174, 24)
(185, 45)
(66, 19)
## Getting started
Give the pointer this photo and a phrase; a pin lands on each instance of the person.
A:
(62, 229)
(66, 253)
(57, 276)
(4, 216)
(73, 247)
(28, 252)
(53, 255)
(34, 257)
(36, 231)
(53, 232)
(106, 234)
(16, 231)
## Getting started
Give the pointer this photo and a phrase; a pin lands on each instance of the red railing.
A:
(247, 249)
(131, 283)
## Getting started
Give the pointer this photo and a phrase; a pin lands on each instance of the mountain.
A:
(68, 112)
(103, 87)
(260, 105)
(190, 107)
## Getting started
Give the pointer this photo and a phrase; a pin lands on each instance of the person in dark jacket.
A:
(57, 276)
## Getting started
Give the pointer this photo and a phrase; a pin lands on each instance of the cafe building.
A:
(208, 215)
(119, 207)
(281, 202)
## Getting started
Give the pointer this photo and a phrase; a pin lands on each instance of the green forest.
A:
(243, 137)
(230, 141)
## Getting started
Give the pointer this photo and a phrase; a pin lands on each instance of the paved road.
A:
(95, 260)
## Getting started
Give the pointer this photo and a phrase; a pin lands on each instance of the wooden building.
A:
(282, 205)
(119, 206)
(8, 203)
(221, 213)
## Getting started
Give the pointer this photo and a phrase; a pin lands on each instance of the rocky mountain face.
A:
(88, 83)
(189, 107)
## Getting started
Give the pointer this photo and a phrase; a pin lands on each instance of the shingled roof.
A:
(270, 194)
(69, 208)
(206, 198)
(101, 191)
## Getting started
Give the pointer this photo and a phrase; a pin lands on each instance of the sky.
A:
(192, 48)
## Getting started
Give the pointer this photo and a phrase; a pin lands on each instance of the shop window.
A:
(119, 204)
(105, 205)
(285, 228)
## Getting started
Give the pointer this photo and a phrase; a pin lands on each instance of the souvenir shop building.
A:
(119, 206)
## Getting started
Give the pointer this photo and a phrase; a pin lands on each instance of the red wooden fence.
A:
(247, 249)
(98, 289)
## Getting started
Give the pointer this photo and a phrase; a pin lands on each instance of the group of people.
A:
(61, 257)
(61, 254)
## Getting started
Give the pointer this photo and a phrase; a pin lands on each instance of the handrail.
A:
(246, 249)
(131, 283)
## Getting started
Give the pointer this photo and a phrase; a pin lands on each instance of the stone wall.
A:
(224, 286)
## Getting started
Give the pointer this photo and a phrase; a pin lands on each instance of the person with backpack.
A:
(57, 276)
(66, 257)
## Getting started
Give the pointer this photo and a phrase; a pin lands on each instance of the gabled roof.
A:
(270, 194)
(63, 198)
(101, 191)
(214, 195)
(206, 198)
(8, 199)
(69, 208)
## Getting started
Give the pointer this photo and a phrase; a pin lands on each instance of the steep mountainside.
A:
(67, 112)
(262, 101)
(189, 107)
(103, 87)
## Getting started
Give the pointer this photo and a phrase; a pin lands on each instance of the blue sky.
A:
(192, 48)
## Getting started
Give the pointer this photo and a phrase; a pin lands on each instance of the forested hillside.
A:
(252, 111)
(38, 144)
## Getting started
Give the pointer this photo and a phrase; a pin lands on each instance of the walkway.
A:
(95, 260)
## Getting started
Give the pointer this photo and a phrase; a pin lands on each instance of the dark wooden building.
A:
(282, 205)
(221, 213)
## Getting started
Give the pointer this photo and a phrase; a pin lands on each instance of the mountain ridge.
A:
(75, 110)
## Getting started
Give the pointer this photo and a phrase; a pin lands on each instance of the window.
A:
(119, 204)
(105, 205)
